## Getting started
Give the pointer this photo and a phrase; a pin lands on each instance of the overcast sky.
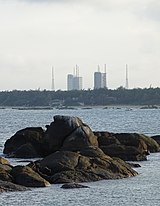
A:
(38, 34)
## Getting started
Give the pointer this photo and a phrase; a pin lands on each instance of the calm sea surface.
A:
(141, 190)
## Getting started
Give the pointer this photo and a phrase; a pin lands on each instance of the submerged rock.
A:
(73, 186)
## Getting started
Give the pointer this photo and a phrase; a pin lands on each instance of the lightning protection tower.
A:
(52, 86)
(127, 85)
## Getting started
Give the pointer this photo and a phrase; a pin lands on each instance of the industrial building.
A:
(74, 81)
(100, 79)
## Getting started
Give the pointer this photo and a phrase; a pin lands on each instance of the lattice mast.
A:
(127, 84)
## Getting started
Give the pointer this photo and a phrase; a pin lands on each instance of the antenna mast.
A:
(52, 87)
(76, 70)
(126, 86)
(105, 75)
(105, 68)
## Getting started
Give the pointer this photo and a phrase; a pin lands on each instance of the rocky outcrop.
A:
(89, 164)
(127, 146)
(64, 133)
(93, 165)
(67, 133)
(72, 153)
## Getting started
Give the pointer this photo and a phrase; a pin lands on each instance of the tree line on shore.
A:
(119, 96)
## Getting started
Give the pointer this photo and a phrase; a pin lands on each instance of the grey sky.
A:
(38, 34)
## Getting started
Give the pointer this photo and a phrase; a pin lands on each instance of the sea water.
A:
(140, 190)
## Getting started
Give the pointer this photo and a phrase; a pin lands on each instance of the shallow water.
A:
(140, 190)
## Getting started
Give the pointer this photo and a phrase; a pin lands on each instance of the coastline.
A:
(87, 107)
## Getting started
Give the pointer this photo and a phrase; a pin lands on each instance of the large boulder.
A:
(93, 165)
(24, 175)
(25, 143)
(68, 133)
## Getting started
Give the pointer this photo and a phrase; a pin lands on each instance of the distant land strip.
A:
(96, 97)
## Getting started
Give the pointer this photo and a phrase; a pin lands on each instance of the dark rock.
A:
(71, 154)
(80, 138)
(73, 186)
(60, 161)
(5, 175)
(131, 139)
(127, 153)
(134, 165)
(7, 168)
(44, 172)
(24, 175)
(140, 141)
(65, 133)
(127, 146)
(68, 167)
(32, 135)
(106, 138)
(69, 133)
(6, 186)
(26, 151)
(156, 138)
(92, 152)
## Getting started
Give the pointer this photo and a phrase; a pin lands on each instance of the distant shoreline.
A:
(129, 107)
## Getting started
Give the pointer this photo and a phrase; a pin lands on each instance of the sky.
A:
(38, 34)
